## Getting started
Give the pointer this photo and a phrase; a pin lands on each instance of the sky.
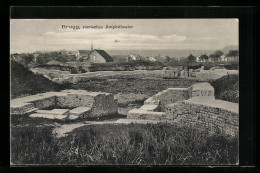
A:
(29, 35)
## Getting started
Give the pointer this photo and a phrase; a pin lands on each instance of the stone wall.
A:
(98, 103)
(22, 108)
(74, 100)
(214, 119)
(104, 104)
(44, 102)
(170, 95)
(195, 105)
(202, 89)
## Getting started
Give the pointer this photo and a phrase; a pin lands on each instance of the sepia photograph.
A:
(124, 91)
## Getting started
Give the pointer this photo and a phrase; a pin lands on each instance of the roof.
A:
(105, 55)
(84, 52)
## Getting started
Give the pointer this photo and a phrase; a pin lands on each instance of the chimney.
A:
(91, 46)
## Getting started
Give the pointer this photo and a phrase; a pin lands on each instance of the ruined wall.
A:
(104, 104)
(44, 102)
(202, 89)
(214, 119)
(22, 109)
(74, 100)
(174, 73)
(89, 104)
(170, 95)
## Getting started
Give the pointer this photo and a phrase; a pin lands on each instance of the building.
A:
(94, 56)
(98, 56)
(152, 59)
(135, 57)
(222, 58)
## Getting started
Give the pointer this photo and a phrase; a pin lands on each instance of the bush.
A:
(123, 144)
(227, 88)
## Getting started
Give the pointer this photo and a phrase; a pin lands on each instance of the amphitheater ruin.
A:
(195, 105)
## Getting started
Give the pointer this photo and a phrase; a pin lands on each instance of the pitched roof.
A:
(84, 52)
(105, 55)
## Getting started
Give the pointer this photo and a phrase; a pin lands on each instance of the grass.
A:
(148, 87)
(123, 144)
(227, 88)
(127, 66)
(24, 82)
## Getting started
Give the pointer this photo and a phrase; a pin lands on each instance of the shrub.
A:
(227, 88)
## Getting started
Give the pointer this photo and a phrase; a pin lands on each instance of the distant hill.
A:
(24, 82)
(226, 49)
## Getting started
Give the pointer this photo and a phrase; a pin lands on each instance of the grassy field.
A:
(122, 144)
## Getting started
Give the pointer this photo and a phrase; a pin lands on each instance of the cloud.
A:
(107, 36)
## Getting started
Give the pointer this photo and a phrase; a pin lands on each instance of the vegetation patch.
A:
(123, 144)
(148, 87)
(127, 66)
(227, 88)
(24, 82)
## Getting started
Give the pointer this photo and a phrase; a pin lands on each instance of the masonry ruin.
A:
(67, 104)
(195, 105)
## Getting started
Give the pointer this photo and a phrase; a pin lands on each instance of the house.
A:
(152, 59)
(98, 56)
(198, 59)
(222, 58)
(157, 58)
(180, 58)
(135, 57)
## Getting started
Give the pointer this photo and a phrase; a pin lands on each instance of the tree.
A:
(62, 58)
(26, 59)
(204, 57)
(191, 58)
(218, 53)
(167, 59)
(40, 60)
(232, 53)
